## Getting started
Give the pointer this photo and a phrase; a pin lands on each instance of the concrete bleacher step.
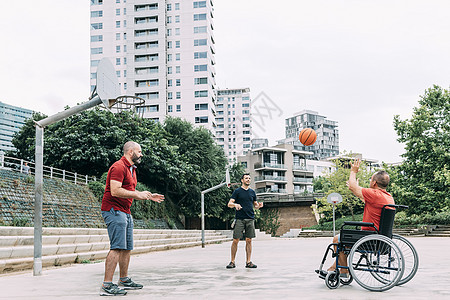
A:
(440, 231)
(74, 245)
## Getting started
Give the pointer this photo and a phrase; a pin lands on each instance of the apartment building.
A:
(327, 143)
(233, 131)
(12, 118)
(163, 51)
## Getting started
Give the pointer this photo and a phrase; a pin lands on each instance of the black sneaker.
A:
(129, 284)
(231, 265)
(251, 265)
(112, 290)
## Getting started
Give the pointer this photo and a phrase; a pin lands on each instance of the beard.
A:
(136, 159)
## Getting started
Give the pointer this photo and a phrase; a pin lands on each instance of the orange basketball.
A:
(307, 136)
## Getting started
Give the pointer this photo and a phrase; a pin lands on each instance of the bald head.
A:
(130, 145)
(382, 179)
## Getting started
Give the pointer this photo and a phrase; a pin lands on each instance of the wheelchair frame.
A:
(375, 258)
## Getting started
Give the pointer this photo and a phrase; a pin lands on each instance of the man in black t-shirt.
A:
(243, 200)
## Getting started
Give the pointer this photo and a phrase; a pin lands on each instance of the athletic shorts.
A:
(120, 229)
(245, 225)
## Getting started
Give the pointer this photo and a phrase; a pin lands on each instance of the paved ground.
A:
(285, 271)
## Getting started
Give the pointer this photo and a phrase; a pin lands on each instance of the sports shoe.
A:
(250, 265)
(231, 265)
(112, 290)
(129, 284)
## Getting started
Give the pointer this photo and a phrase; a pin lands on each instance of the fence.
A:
(27, 167)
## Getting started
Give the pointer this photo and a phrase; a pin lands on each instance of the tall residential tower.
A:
(163, 51)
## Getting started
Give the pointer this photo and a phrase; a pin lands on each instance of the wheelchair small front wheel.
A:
(332, 280)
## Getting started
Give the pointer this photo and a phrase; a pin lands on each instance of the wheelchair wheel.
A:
(376, 263)
(346, 281)
(332, 280)
(410, 257)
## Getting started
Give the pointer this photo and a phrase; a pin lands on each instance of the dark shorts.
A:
(245, 225)
(120, 229)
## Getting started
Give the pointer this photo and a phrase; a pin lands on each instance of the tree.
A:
(423, 180)
(335, 182)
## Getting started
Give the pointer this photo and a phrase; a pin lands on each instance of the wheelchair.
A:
(377, 260)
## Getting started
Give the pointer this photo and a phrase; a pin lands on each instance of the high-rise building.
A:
(233, 131)
(163, 51)
(12, 118)
(327, 143)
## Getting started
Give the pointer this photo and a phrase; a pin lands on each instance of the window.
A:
(96, 26)
(246, 139)
(94, 63)
(169, 57)
(118, 73)
(125, 36)
(117, 24)
(246, 145)
(246, 125)
(199, 4)
(124, 48)
(246, 98)
(146, 70)
(199, 17)
(117, 11)
(177, 56)
(177, 82)
(245, 104)
(177, 31)
(246, 132)
(117, 1)
(177, 44)
(169, 95)
(124, 60)
(200, 29)
(245, 112)
(117, 61)
(169, 70)
(201, 42)
(152, 95)
(169, 108)
(201, 119)
(93, 75)
(143, 20)
(96, 2)
(177, 19)
(98, 50)
(202, 80)
(97, 14)
(148, 57)
(169, 82)
(177, 6)
(178, 95)
(177, 69)
(153, 108)
(117, 49)
(201, 106)
(178, 107)
(147, 83)
(117, 36)
(198, 55)
(200, 68)
(96, 38)
(144, 45)
(169, 19)
(169, 7)
(169, 45)
(124, 11)
(169, 32)
(201, 94)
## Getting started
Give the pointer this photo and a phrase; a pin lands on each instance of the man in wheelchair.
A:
(375, 198)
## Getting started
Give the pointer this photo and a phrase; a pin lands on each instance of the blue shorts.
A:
(120, 229)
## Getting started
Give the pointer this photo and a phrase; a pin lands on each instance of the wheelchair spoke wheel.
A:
(376, 263)
(332, 280)
(410, 257)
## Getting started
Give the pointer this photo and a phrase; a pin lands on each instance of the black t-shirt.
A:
(245, 198)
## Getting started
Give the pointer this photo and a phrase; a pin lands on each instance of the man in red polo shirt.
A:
(374, 198)
(119, 193)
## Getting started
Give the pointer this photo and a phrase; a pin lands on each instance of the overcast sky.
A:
(356, 62)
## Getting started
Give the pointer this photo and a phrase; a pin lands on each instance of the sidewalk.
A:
(285, 271)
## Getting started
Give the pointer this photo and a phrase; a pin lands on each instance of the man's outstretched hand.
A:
(355, 165)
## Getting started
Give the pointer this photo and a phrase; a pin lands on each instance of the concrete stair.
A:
(441, 231)
(75, 245)
(260, 235)
(408, 231)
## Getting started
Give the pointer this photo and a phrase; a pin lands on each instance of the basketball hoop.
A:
(129, 103)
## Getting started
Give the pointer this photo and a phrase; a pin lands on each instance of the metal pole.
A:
(334, 228)
(203, 219)
(69, 112)
(38, 191)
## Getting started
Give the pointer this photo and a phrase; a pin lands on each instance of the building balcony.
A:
(270, 191)
(301, 168)
(269, 166)
(303, 180)
(270, 178)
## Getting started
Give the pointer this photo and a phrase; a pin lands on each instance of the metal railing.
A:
(303, 180)
(269, 165)
(270, 177)
(269, 190)
(28, 168)
(303, 197)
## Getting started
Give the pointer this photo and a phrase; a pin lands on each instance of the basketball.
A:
(307, 136)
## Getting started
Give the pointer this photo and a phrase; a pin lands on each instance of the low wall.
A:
(295, 217)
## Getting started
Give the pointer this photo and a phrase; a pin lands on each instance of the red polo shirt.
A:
(374, 200)
(124, 172)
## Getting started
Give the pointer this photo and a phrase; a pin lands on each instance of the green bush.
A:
(328, 225)
(440, 218)
(97, 189)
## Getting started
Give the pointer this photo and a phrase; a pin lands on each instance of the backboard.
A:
(107, 88)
